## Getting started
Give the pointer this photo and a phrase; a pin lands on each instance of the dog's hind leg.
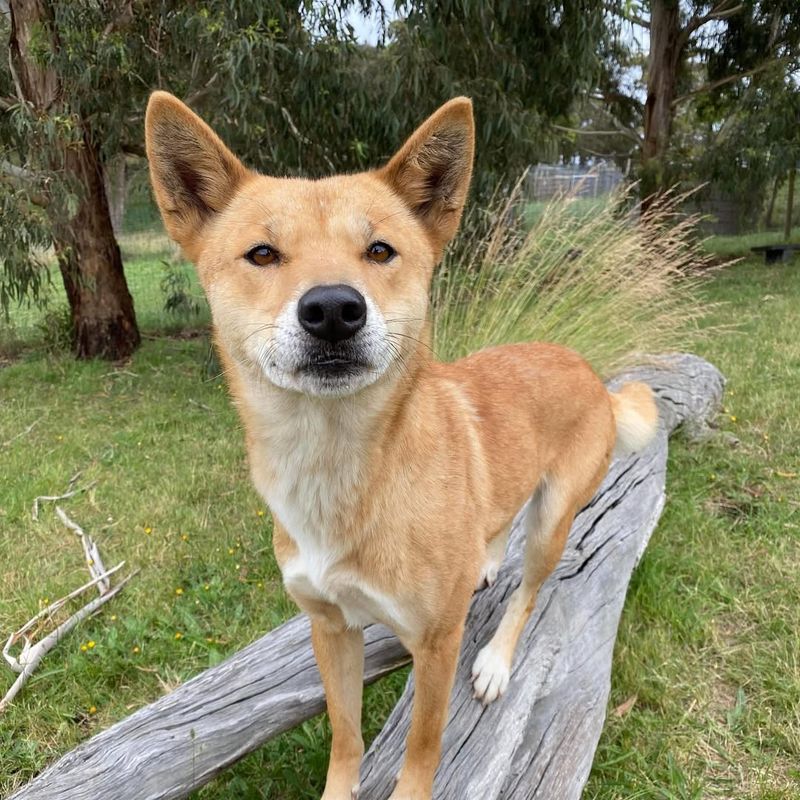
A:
(495, 551)
(547, 523)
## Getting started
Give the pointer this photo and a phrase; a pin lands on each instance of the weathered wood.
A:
(536, 742)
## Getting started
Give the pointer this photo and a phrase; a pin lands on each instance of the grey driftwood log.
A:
(537, 741)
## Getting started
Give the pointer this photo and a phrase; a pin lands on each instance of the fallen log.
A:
(538, 741)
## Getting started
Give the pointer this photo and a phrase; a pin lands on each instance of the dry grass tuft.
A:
(599, 281)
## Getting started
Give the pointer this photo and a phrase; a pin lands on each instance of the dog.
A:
(392, 478)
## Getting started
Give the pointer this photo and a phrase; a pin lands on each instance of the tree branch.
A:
(15, 175)
(709, 87)
(628, 16)
(720, 11)
(15, 171)
(199, 94)
(133, 149)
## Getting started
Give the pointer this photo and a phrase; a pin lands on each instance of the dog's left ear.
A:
(432, 170)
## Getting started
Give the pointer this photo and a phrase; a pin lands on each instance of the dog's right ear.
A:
(194, 174)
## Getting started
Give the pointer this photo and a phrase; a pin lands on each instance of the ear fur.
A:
(194, 175)
(432, 170)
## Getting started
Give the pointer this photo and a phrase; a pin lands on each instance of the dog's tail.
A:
(636, 415)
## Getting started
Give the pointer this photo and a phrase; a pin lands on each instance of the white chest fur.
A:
(309, 468)
(307, 576)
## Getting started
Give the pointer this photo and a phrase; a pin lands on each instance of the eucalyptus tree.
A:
(73, 94)
(691, 53)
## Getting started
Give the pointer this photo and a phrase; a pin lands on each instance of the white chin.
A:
(317, 384)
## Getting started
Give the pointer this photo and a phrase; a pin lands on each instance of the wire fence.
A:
(547, 181)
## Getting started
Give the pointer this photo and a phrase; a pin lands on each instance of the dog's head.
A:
(321, 286)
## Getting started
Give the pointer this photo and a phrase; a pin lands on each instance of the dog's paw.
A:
(490, 675)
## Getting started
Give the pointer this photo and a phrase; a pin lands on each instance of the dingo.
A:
(392, 478)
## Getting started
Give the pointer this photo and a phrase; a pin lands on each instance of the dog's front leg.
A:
(340, 656)
(435, 664)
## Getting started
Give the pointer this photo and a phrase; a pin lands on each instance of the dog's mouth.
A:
(333, 366)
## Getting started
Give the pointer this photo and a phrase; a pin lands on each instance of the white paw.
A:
(488, 574)
(490, 675)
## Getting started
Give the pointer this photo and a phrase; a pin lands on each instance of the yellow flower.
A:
(231, 551)
(185, 537)
(90, 644)
(179, 591)
(260, 512)
(260, 585)
(90, 562)
(147, 529)
(733, 418)
(178, 636)
(136, 649)
(113, 617)
(207, 586)
(84, 648)
(209, 639)
(92, 709)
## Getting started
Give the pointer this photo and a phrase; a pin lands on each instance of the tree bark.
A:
(667, 42)
(116, 190)
(787, 227)
(103, 318)
(771, 208)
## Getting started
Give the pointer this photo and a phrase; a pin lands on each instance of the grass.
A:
(740, 245)
(708, 641)
(149, 258)
(579, 271)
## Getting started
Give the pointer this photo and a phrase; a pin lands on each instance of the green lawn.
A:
(708, 642)
(149, 258)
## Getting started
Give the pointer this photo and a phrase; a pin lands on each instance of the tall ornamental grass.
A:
(594, 277)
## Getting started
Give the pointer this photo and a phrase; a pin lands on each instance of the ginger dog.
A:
(392, 478)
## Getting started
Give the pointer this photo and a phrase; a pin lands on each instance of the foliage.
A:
(735, 120)
(746, 131)
(24, 236)
(55, 329)
(597, 282)
(522, 63)
(289, 87)
(177, 290)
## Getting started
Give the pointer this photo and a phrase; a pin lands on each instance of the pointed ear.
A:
(432, 170)
(194, 175)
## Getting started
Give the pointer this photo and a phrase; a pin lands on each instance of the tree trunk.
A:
(116, 190)
(104, 323)
(667, 41)
(771, 208)
(787, 228)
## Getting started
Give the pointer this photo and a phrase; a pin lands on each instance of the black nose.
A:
(332, 313)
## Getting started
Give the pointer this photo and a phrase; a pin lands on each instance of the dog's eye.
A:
(262, 255)
(380, 252)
